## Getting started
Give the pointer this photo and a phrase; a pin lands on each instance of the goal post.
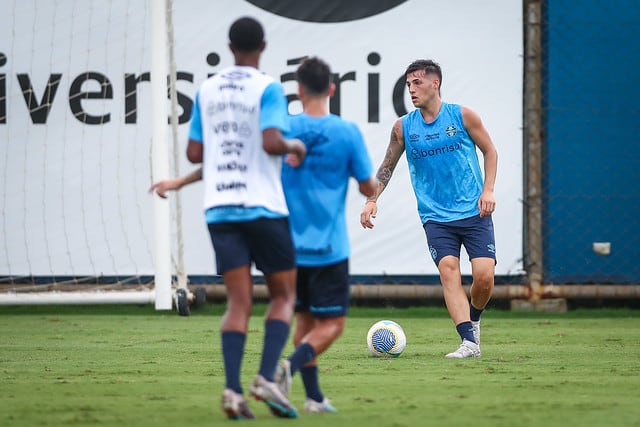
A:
(160, 152)
(84, 133)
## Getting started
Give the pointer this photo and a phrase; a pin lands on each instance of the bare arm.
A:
(161, 187)
(480, 136)
(195, 151)
(385, 171)
(368, 187)
(274, 143)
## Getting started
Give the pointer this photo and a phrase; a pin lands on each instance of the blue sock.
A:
(232, 352)
(276, 333)
(309, 376)
(303, 354)
(465, 329)
(475, 313)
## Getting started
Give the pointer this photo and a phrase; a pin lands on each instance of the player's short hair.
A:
(427, 65)
(314, 75)
(246, 34)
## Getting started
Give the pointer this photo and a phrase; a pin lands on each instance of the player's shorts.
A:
(323, 291)
(475, 233)
(264, 241)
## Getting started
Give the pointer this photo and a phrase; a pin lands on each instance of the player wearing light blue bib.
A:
(455, 201)
(236, 133)
(231, 109)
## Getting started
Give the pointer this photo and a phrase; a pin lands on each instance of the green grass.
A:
(132, 366)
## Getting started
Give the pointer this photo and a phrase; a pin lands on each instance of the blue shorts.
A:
(475, 233)
(324, 291)
(264, 241)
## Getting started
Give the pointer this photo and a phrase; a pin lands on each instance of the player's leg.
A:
(304, 324)
(277, 321)
(273, 253)
(480, 245)
(444, 245)
(455, 296)
(232, 260)
(483, 272)
(481, 290)
(325, 332)
(327, 295)
(322, 305)
(233, 335)
(321, 333)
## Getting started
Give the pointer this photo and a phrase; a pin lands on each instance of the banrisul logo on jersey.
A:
(326, 10)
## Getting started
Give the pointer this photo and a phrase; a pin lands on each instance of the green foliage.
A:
(132, 366)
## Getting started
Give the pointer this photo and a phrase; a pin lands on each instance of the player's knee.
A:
(483, 280)
(449, 267)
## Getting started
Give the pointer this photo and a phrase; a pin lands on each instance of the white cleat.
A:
(466, 349)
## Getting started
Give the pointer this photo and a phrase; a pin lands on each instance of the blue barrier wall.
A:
(591, 177)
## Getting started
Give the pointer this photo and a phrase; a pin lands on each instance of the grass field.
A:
(132, 366)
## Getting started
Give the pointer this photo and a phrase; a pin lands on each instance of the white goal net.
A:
(77, 131)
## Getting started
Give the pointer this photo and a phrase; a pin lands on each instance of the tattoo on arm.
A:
(394, 151)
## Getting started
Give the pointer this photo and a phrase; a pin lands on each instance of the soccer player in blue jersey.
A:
(239, 116)
(455, 201)
(316, 191)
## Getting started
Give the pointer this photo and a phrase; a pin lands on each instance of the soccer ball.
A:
(386, 338)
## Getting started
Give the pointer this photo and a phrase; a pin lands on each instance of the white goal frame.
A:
(168, 262)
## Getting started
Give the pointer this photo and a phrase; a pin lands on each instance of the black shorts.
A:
(324, 291)
(475, 233)
(264, 241)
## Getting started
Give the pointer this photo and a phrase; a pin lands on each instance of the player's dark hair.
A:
(314, 75)
(246, 34)
(428, 66)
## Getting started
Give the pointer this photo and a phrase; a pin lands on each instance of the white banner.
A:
(75, 170)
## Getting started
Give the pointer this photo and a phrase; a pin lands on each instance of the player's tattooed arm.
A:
(394, 151)
(388, 165)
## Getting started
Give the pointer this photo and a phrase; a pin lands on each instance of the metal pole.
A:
(533, 147)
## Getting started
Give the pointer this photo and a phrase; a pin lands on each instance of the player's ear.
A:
(332, 89)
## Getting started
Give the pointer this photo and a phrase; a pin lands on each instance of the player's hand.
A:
(292, 160)
(486, 203)
(161, 187)
(369, 211)
(297, 154)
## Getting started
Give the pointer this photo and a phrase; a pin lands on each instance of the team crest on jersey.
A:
(451, 130)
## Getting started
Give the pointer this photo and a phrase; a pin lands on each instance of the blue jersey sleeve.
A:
(195, 129)
(274, 112)
(361, 166)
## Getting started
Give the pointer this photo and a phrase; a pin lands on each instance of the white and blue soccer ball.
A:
(386, 339)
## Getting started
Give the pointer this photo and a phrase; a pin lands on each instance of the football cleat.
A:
(271, 394)
(466, 349)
